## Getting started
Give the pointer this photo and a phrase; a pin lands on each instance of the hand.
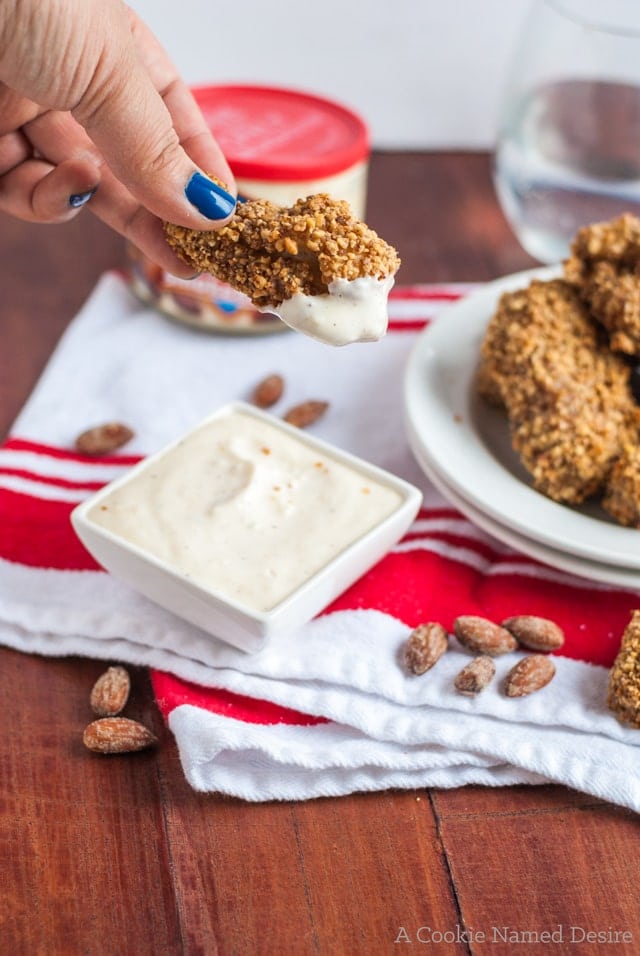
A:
(92, 111)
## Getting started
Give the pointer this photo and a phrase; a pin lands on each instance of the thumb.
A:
(130, 123)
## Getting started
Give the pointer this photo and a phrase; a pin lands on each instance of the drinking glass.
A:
(568, 146)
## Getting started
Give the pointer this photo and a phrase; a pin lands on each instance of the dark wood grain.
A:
(118, 856)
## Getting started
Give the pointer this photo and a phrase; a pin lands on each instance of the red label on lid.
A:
(280, 134)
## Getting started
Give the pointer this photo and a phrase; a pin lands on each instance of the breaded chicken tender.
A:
(567, 396)
(272, 253)
(623, 696)
(622, 492)
(604, 267)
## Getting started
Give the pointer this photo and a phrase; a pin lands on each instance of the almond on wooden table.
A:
(103, 439)
(477, 675)
(306, 413)
(535, 633)
(482, 636)
(268, 391)
(529, 675)
(425, 646)
(110, 692)
(117, 735)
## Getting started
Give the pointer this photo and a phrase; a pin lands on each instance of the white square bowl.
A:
(208, 608)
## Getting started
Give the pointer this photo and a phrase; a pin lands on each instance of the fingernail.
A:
(211, 200)
(79, 199)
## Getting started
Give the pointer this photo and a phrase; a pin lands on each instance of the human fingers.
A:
(121, 211)
(126, 117)
(30, 187)
(194, 134)
(80, 56)
(15, 111)
(37, 191)
(14, 149)
(57, 137)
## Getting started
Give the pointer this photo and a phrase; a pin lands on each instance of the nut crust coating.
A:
(604, 267)
(568, 398)
(624, 679)
(271, 253)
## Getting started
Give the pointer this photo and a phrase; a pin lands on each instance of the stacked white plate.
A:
(463, 446)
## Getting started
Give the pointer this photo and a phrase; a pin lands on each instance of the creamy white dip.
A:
(246, 509)
(353, 310)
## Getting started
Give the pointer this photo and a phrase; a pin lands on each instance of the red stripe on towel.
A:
(38, 534)
(14, 443)
(171, 692)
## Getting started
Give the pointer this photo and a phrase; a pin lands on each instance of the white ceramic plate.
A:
(561, 560)
(468, 441)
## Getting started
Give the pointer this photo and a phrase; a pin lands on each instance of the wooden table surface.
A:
(119, 856)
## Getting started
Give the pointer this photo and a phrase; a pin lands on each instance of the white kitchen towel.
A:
(329, 709)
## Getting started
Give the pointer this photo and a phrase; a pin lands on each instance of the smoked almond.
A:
(535, 633)
(306, 413)
(529, 675)
(477, 675)
(117, 735)
(425, 646)
(268, 391)
(110, 692)
(483, 636)
(103, 439)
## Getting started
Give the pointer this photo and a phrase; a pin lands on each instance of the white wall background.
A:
(422, 73)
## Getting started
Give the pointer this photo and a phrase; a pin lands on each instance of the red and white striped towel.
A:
(326, 710)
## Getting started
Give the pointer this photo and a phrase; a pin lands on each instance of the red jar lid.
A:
(273, 134)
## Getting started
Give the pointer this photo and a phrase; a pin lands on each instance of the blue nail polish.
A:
(79, 199)
(209, 198)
